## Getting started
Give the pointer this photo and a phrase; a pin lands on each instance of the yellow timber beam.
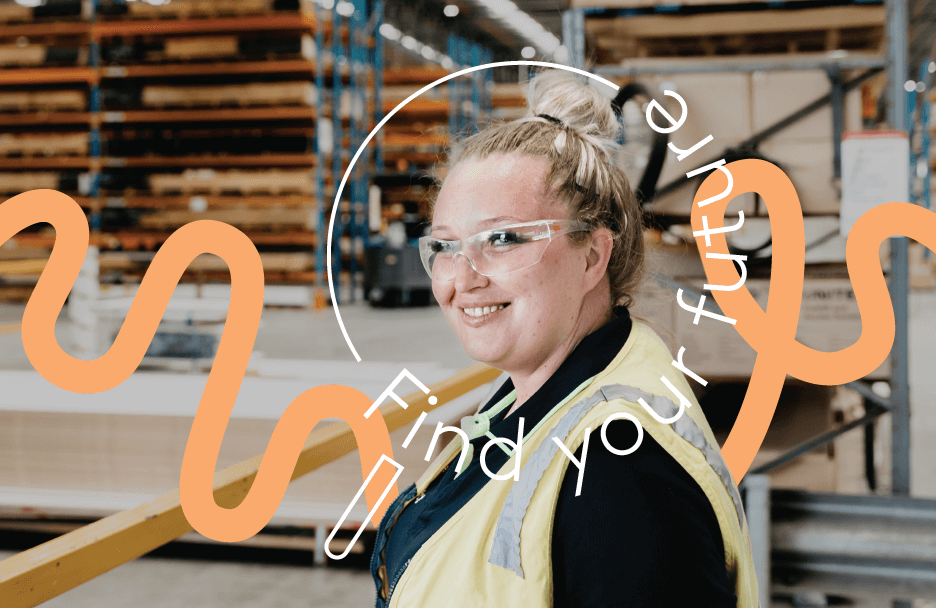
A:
(41, 573)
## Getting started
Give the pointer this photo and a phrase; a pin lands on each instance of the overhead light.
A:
(507, 13)
(561, 54)
(30, 3)
(388, 31)
(910, 86)
(503, 7)
(528, 52)
(391, 32)
(450, 10)
(344, 8)
(328, 4)
(931, 67)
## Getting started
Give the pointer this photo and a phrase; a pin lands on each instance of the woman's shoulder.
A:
(642, 514)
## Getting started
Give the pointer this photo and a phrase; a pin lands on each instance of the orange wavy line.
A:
(772, 333)
(227, 373)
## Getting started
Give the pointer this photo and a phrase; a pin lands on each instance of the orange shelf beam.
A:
(44, 118)
(210, 114)
(419, 106)
(214, 202)
(47, 75)
(43, 162)
(246, 160)
(415, 75)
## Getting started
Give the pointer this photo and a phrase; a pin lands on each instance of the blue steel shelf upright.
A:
(338, 61)
(350, 216)
(94, 104)
(358, 231)
(475, 92)
(377, 63)
(321, 225)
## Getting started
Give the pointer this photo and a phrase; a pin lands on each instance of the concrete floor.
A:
(413, 335)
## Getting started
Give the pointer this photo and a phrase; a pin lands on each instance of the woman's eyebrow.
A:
(494, 221)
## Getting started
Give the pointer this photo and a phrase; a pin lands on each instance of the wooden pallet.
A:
(143, 240)
(12, 12)
(399, 92)
(201, 47)
(739, 32)
(207, 181)
(24, 101)
(15, 294)
(275, 219)
(44, 144)
(30, 54)
(222, 47)
(301, 93)
(15, 183)
(272, 262)
(186, 9)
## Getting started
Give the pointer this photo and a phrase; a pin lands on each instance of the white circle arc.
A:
(370, 136)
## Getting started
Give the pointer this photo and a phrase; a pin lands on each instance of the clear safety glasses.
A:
(497, 251)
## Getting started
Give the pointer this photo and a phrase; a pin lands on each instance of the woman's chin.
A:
(487, 353)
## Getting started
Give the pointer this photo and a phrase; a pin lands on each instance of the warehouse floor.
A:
(404, 336)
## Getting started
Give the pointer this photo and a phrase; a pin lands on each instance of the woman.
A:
(535, 250)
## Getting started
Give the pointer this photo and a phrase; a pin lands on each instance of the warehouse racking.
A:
(175, 88)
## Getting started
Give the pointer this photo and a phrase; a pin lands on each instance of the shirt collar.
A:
(592, 355)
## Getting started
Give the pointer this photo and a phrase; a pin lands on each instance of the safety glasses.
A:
(495, 252)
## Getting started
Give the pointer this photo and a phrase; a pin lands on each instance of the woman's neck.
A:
(527, 382)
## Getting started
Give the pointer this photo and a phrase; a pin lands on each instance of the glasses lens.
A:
(437, 258)
(507, 250)
(492, 252)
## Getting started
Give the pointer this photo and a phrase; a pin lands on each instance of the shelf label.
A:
(113, 116)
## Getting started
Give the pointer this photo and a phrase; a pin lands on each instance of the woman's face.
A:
(541, 303)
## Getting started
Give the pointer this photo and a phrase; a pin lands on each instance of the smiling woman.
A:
(535, 252)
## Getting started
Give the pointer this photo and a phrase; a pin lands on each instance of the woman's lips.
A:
(479, 315)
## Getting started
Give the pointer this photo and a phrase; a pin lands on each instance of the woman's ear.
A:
(598, 256)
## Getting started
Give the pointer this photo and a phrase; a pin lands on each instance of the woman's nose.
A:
(466, 277)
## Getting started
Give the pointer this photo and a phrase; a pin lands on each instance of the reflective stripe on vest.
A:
(505, 551)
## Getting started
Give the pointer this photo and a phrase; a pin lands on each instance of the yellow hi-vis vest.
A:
(496, 550)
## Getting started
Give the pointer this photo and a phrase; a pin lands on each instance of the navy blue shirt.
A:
(641, 533)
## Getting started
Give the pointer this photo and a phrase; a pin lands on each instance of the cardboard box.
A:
(809, 165)
(717, 105)
(829, 321)
(776, 95)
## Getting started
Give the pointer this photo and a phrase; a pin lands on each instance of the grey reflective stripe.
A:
(686, 428)
(505, 550)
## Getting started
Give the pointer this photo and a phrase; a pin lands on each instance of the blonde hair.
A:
(582, 171)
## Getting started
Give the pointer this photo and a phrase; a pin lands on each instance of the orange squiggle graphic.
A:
(217, 401)
(772, 332)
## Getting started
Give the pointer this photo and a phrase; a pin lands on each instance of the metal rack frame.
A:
(351, 214)
(465, 53)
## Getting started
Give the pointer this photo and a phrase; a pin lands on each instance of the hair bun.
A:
(580, 107)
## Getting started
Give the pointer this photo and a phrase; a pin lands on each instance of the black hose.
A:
(646, 187)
